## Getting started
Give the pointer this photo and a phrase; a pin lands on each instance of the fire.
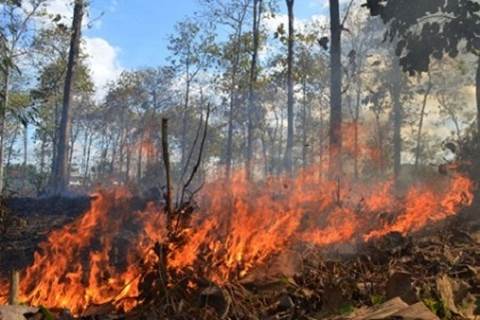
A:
(98, 258)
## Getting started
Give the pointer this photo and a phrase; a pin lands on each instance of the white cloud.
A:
(60, 7)
(103, 63)
(102, 57)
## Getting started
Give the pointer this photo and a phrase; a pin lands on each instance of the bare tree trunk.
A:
(54, 141)
(166, 161)
(127, 165)
(290, 99)
(251, 89)
(87, 161)
(10, 154)
(114, 155)
(304, 124)
(233, 102)
(185, 120)
(3, 113)
(61, 175)
(420, 124)
(477, 86)
(25, 145)
(335, 147)
(43, 144)
(74, 136)
(140, 158)
(356, 120)
(397, 119)
(84, 151)
(228, 157)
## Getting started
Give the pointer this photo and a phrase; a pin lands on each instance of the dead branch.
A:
(190, 154)
(200, 154)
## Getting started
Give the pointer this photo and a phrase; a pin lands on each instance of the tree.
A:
(192, 47)
(257, 18)
(15, 38)
(232, 14)
(290, 99)
(60, 174)
(431, 29)
(335, 90)
(426, 93)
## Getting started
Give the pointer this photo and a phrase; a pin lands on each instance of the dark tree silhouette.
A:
(430, 29)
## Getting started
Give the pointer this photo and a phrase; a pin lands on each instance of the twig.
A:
(200, 153)
(189, 158)
(346, 14)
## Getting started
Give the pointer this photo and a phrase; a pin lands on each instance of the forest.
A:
(273, 166)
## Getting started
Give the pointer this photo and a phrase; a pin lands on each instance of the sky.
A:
(128, 34)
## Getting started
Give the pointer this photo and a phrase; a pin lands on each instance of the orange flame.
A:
(96, 259)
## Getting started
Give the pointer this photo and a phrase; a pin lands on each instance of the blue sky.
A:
(132, 34)
(138, 29)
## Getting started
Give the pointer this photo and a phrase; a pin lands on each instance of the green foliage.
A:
(346, 309)
(438, 307)
(377, 299)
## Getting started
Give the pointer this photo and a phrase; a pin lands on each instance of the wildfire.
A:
(98, 258)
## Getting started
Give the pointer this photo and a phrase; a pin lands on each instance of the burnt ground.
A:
(27, 221)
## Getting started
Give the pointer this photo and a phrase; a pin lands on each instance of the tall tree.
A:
(257, 16)
(191, 47)
(233, 14)
(60, 174)
(15, 38)
(335, 147)
(290, 98)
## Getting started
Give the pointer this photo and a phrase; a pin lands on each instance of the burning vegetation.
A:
(322, 168)
(111, 254)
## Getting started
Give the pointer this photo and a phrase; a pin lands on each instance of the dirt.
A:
(27, 221)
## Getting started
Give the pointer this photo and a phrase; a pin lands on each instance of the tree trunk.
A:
(420, 124)
(335, 147)
(290, 101)
(25, 146)
(477, 86)
(356, 120)
(84, 151)
(61, 175)
(74, 136)
(54, 142)
(166, 161)
(43, 144)
(304, 124)
(397, 119)
(127, 165)
(87, 160)
(3, 112)
(233, 102)
(251, 88)
(9, 154)
(140, 158)
(185, 119)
